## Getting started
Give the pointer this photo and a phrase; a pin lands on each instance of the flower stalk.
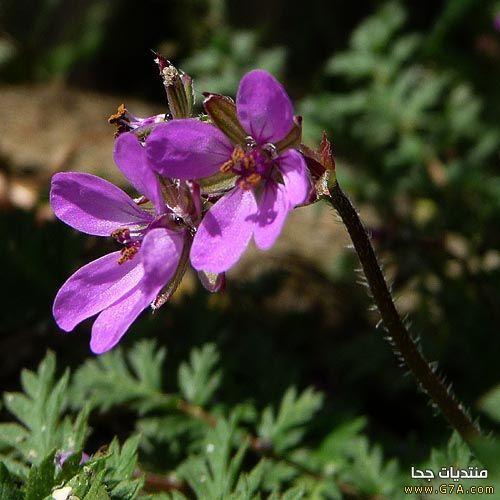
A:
(404, 346)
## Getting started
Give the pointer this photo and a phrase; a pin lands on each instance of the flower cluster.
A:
(207, 185)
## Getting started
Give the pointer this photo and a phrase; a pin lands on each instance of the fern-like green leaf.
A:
(198, 379)
(286, 428)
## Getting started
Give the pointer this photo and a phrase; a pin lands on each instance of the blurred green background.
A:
(409, 93)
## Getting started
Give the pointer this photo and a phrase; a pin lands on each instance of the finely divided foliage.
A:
(207, 448)
(42, 452)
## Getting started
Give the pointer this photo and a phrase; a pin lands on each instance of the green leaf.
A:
(114, 379)
(374, 33)
(293, 494)
(249, 483)
(97, 493)
(487, 451)
(97, 489)
(12, 435)
(70, 467)
(39, 409)
(228, 56)
(41, 479)
(15, 466)
(457, 453)
(368, 470)
(285, 429)
(121, 464)
(198, 379)
(334, 449)
(170, 433)
(8, 488)
(213, 474)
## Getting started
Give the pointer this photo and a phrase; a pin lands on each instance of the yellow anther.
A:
(253, 179)
(239, 158)
(248, 163)
(238, 154)
(128, 253)
(249, 182)
(121, 233)
(119, 115)
(227, 166)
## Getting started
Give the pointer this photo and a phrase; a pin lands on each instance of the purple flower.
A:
(268, 185)
(120, 285)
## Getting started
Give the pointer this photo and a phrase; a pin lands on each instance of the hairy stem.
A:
(403, 343)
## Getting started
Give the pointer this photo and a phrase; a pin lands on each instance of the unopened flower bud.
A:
(222, 112)
(178, 87)
(187, 81)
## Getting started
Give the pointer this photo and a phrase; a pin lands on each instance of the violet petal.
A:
(130, 156)
(271, 215)
(263, 106)
(224, 232)
(92, 205)
(295, 176)
(187, 149)
(160, 253)
(113, 322)
(94, 287)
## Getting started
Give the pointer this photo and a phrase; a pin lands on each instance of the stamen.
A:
(121, 235)
(249, 182)
(238, 154)
(128, 252)
(121, 120)
(119, 115)
(243, 163)
(227, 166)
(248, 163)
(254, 178)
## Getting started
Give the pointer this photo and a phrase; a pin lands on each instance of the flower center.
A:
(130, 247)
(251, 166)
